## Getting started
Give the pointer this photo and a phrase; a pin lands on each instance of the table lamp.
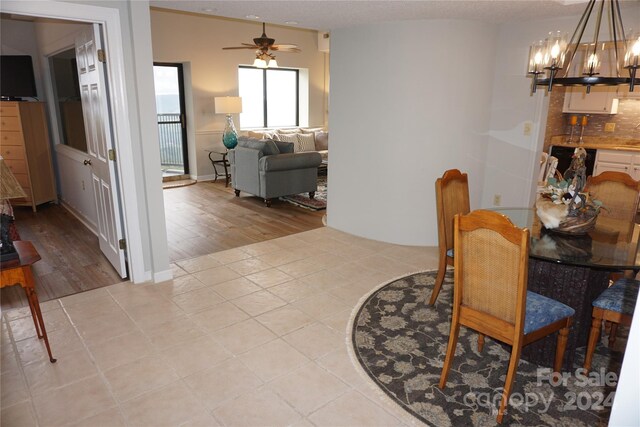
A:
(10, 188)
(229, 105)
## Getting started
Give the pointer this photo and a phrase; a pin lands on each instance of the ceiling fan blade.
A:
(285, 49)
(284, 46)
(249, 44)
(240, 47)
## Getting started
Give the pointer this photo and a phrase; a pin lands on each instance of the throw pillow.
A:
(259, 144)
(322, 140)
(289, 137)
(258, 135)
(311, 130)
(287, 131)
(270, 147)
(307, 142)
(284, 147)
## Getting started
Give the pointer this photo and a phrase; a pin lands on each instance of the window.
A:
(270, 97)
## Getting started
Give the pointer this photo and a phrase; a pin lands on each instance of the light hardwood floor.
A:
(201, 219)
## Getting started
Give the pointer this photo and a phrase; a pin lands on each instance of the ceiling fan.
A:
(263, 46)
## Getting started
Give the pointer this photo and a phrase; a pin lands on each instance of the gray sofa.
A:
(269, 169)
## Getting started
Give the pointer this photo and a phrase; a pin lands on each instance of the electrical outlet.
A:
(497, 199)
(527, 128)
(609, 127)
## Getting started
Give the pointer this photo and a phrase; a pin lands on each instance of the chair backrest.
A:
(452, 198)
(491, 261)
(618, 192)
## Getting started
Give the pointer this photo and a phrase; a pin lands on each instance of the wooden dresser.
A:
(24, 144)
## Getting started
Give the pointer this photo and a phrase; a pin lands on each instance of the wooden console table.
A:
(18, 272)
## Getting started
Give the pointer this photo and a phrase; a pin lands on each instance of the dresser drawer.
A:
(23, 179)
(10, 123)
(17, 166)
(8, 110)
(11, 138)
(12, 152)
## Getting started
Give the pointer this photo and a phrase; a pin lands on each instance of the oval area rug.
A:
(400, 343)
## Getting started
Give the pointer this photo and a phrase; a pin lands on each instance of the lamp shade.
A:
(228, 104)
(10, 188)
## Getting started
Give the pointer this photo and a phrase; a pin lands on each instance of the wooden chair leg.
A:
(237, 192)
(511, 376)
(561, 346)
(267, 202)
(451, 350)
(594, 335)
(612, 334)
(442, 269)
(480, 342)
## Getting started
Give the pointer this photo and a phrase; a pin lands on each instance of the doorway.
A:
(172, 126)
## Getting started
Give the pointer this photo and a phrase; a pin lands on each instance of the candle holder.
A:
(583, 125)
(573, 121)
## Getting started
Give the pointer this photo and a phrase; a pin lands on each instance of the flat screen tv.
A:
(16, 77)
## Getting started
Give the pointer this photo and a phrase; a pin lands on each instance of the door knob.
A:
(87, 162)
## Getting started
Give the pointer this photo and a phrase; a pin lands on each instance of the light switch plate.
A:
(609, 127)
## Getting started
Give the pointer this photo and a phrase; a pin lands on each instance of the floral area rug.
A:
(400, 342)
(318, 203)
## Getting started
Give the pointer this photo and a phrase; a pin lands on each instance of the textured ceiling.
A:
(331, 14)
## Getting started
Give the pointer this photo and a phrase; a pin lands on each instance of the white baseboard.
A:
(78, 216)
(162, 276)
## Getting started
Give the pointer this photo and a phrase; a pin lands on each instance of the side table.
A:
(217, 162)
(18, 272)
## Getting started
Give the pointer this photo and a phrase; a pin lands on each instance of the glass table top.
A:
(611, 245)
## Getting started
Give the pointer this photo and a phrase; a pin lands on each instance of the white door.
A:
(93, 90)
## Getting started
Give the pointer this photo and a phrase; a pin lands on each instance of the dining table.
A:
(574, 269)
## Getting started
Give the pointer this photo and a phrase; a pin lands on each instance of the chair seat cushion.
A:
(621, 297)
(543, 311)
(450, 253)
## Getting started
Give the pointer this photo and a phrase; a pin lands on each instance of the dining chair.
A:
(616, 305)
(618, 192)
(452, 197)
(490, 293)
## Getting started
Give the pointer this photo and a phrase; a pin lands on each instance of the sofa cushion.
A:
(322, 140)
(266, 146)
(289, 137)
(306, 141)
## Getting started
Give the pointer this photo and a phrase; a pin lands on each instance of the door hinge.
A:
(102, 56)
(112, 154)
(123, 244)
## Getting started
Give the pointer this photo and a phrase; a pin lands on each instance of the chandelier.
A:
(562, 62)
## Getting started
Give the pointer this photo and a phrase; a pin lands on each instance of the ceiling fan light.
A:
(273, 63)
(260, 63)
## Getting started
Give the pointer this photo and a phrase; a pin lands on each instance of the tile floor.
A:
(249, 336)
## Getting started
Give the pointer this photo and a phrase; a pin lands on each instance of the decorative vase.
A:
(230, 135)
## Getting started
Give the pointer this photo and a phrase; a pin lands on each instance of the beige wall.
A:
(197, 41)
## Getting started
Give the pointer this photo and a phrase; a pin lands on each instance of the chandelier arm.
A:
(582, 25)
(596, 36)
(618, 15)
